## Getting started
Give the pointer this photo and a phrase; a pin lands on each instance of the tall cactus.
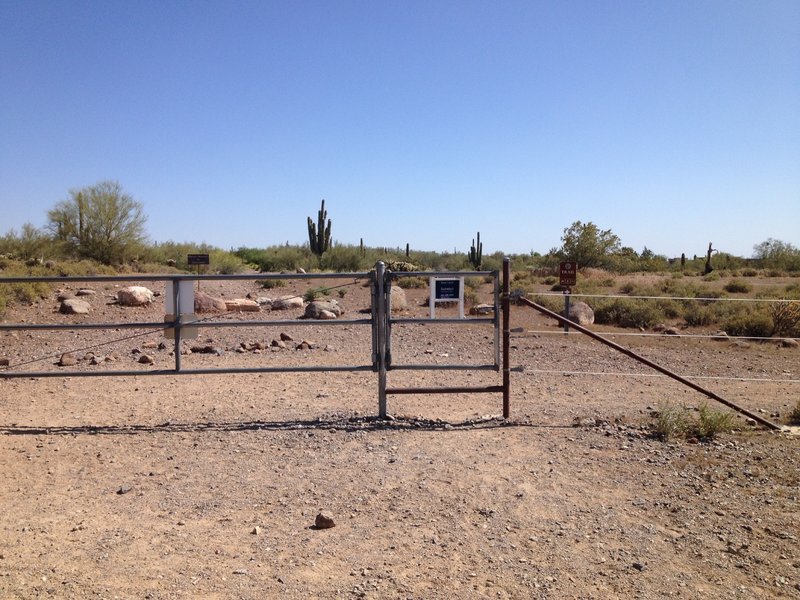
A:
(319, 234)
(476, 253)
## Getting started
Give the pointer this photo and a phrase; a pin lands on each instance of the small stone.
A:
(324, 520)
(4, 362)
(146, 359)
(638, 566)
(286, 337)
(67, 360)
(256, 530)
(124, 489)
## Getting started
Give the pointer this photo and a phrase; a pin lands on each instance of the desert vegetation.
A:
(100, 229)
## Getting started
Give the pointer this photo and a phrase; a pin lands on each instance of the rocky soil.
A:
(209, 486)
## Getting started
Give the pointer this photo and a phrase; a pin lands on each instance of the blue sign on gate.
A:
(448, 289)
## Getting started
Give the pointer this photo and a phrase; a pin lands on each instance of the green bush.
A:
(670, 421)
(699, 316)
(628, 312)
(269, 284)
(754, 323)
(711, 422)
(409, 283)
(737, 286)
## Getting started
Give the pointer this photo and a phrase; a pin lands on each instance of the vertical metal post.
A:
(176, 297)
(380, 324)
(566, 310)
(506, 338)
(496, 324)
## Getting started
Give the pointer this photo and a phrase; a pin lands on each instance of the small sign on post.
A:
(568, 273)
(198, 260)
(567, 278)
(447, 290)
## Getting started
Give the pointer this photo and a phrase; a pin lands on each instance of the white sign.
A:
(447, 289)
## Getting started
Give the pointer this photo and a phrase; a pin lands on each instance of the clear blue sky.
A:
(673, 123)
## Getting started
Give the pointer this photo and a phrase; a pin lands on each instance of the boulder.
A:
(399, 301)
(789, 343)
(287, 302)
(74, 306)
(85, 292)
(68, 360)
(482, 309)
(317, 308)
(580, 313)
(203, 303)
(242, 305)
(135, 295)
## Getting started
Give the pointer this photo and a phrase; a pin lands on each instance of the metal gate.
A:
(380, 320)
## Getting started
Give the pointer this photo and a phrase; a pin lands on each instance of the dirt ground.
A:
(208, 486)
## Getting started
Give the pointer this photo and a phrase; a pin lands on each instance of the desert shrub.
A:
(343, 259)
(749, 273)
(315, 293)
(410, 283)
(792, 291)
(625, 312)
(713, 276)
(756, 323)
(269, 284)
(737, 286)
(472, 283)
(794, 416)
(672, 309)
(552, 303)
(471, 298)
(550, 280)
(785, 319)
(699, 316)
(775, 273)
(225, 263)
(711, 422)
(670, 421)
(342, 292)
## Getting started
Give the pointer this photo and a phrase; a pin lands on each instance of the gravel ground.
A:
(209, 486)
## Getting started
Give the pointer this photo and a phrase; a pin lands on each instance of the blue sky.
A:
(673, 123)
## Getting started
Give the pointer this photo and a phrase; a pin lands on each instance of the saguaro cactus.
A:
(319, 234)
(476, 253)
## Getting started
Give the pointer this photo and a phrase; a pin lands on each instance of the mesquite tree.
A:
(319, 234)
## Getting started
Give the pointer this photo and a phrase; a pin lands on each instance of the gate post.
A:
(506, 337)
(380, 337)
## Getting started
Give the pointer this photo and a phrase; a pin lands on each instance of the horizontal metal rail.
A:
(184, 324)
(435, 367)
(396, 274)
(490, 389)
(183, 277)
(137, 373)
(438, 321)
